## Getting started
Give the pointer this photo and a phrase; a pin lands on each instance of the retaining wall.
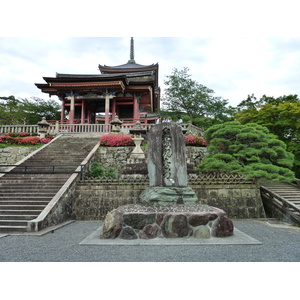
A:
(94, 199)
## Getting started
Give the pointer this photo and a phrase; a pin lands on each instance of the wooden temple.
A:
(129, 91)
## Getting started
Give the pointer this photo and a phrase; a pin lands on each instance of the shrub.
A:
(116, 140)
(97, 171)
(23, 134)
(11, 134)
(193, 140)
(45, 140)
(7, 139)
(31, 140)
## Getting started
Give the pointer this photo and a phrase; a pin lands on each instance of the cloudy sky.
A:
(246, 51)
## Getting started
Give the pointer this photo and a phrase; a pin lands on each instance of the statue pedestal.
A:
(179, 221)
(165, 196)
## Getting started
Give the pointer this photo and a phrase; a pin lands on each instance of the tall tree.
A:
(249, 150)
(282, 117)
(27, 111)
(185, 95)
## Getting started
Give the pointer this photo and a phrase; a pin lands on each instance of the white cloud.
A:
(232, 66)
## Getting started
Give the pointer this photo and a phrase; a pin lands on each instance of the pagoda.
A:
(129, 91)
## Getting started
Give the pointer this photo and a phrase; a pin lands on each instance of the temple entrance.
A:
(126, 112)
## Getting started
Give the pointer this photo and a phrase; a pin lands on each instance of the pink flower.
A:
(193, 140)
(116, 140)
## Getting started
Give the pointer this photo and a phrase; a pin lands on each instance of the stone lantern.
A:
(43, 127)
(116, 124)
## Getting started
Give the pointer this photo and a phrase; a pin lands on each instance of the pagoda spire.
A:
(131, 60)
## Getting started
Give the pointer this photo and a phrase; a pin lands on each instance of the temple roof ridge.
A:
(130, 65)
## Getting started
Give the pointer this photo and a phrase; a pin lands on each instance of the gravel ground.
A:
(280, 243)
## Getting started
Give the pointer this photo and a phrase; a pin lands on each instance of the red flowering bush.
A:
(193, 140)
(23, 138)
(23, 134)
(31, 140)
(11, 134)
(116, 140)
(45, 140)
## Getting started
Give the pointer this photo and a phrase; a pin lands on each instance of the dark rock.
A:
(212, 217)
(175, 226)
(138, 220)
(128, 233)
(197, 220)
(222, 227)
(150, 232)
(159, 218)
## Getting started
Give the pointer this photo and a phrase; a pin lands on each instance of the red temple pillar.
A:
(83, 111)
(63, 108)
(114, 106)
(72, 109)
(136, 110)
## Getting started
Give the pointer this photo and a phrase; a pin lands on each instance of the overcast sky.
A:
(233, 52)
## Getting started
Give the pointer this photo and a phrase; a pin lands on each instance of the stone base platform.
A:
(179, 221)
(166, 196)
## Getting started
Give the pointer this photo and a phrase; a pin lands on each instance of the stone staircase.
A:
(24, 196)
(285, 197)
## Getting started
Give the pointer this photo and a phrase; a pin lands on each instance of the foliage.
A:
(23, 139)
(194, 140)
(116, 140)
(97, 171)
(249, 150)
(184, 95)
(27, 111)
(280, 115)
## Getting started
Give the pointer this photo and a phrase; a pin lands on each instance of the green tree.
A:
(23, 111)
(282, 117)
(185, 95)
(249, 150)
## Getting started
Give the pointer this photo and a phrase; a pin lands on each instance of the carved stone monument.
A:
(169, 208)
(167, 167)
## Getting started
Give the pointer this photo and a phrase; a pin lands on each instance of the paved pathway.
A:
(279, 243)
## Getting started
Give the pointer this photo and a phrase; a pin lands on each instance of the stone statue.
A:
(167, 167)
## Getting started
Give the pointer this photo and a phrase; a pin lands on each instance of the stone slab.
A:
(239, 238)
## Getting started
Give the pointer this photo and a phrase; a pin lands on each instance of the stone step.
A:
(27, 212)
(10, 229)
(21, 207)
(33, 189)
(21, 194)
(18, 217)
(22, 202)
(13, 222)
(44, 182)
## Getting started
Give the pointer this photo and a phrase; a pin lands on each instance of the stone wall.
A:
(12, 155)
(239, 201)
(116, 157)
(94, 199)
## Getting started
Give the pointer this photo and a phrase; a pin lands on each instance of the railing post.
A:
(56, 130)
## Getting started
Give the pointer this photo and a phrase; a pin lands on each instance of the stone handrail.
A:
(273, 197)
(57, 128)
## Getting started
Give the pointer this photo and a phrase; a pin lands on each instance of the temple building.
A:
(129, 91)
